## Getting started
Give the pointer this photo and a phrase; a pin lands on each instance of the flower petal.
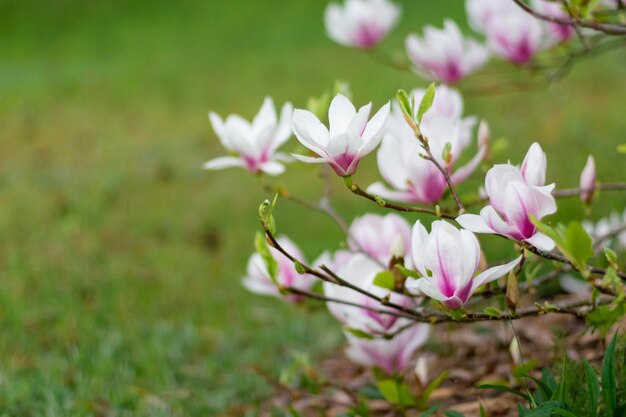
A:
(474, 223)
(223, 162)
(494, 273)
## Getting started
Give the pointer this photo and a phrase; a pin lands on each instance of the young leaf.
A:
(609, 389)
(359, 333)
(578, 244)
(407, 272)
(593, 388)
(492, 311)
(611, 257)
(389, 389)
(423, 402)
(270, 263)
(403, 101)
(504, 388)
(384, 279)
(427, 102)
(452, 413)
(432, 410)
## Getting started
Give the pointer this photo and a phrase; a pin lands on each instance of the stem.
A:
(606, 186)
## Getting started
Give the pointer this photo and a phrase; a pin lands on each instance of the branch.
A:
(609, 29)
(397, 207)
(606, 186)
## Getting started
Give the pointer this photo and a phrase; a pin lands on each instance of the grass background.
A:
(120, 259)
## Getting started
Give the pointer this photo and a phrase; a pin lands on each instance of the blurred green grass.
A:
(121, 259)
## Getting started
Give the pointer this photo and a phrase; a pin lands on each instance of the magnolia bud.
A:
(588, 181)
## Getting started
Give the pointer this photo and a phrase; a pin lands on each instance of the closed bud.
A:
(588, 181)
(512, 291)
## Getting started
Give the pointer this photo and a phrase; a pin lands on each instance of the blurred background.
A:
(121, 259)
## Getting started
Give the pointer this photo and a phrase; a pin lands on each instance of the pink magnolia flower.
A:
(360, 271)
(516, 195)
(258, 279)
(444, 54)
(254, 143)
(412, 178)
(376, 235)
(557, 32)
(360, 23)
(588, 181)
(516, 36)
(390, 355)
(349, 139)
(448, 259)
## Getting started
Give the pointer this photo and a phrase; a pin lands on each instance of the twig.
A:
(606, 186)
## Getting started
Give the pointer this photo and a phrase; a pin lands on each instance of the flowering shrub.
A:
(394, 281)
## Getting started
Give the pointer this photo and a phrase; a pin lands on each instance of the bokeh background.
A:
(121, 259)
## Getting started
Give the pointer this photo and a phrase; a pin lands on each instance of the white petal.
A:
(220, 129)
(273, 168)
(426, 286)
(310, 131)
(265, 117)
(541, 242)
(494, 273)
(419, 240)
(474, 223)
(340, 114)
(373, 133)
(310, 159)
(223, 162)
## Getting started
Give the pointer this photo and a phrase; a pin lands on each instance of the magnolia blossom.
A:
(558, 32)
(360, 23)
(349, 138)
(516, 195)
(444, 54)
(378, 236)
(516, 36)
(412, 178)
(259, 281)
(390, 355)
(254, 143)
(448, 259)
(588, 180)
(360, 271)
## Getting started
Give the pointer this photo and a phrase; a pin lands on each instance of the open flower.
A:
(448, 259)
(516, 195)
(412, 178)
(360, 271)
(588, 181)
(360, 23)
(376, 235)
(391, 355)
(254, 143)
(258, 279)
(349, 139)
(444, 54)
(516, 36)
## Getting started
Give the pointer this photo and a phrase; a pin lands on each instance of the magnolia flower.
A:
(349, 139)
(360, 23)
(516, 195)
(444, 54)
(448, 259)
(515, 36)
(588, 181)
(377, 235)
(254, 143)
(390, 355)
(259, 281)
(481, 12)
(559, 33)
(360, 271)
(412, 178)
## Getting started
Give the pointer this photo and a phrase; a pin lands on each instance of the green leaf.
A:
(389, 389)
(611, 257)
(545, 409)
(609, 389)
(406, 398)
(562, 412)
(621, 148)
(593, 387)
(604, 317)
(492, 311)
(423, 402)
(407, 272)
(384, 279)
(405, 105)
(504, 388)
(371, 392)
(446, 153)
(427, 102)
(452, 413)
(578, 244)
(359, 333)
(483, 413)
(263, 249)
(432, 410)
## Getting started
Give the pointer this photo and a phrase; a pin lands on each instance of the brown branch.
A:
(609, 29)
(606, 186)
(393, 206)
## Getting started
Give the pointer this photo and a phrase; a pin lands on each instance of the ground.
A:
(121, 259)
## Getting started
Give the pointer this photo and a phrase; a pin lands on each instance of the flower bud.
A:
(588, 181)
